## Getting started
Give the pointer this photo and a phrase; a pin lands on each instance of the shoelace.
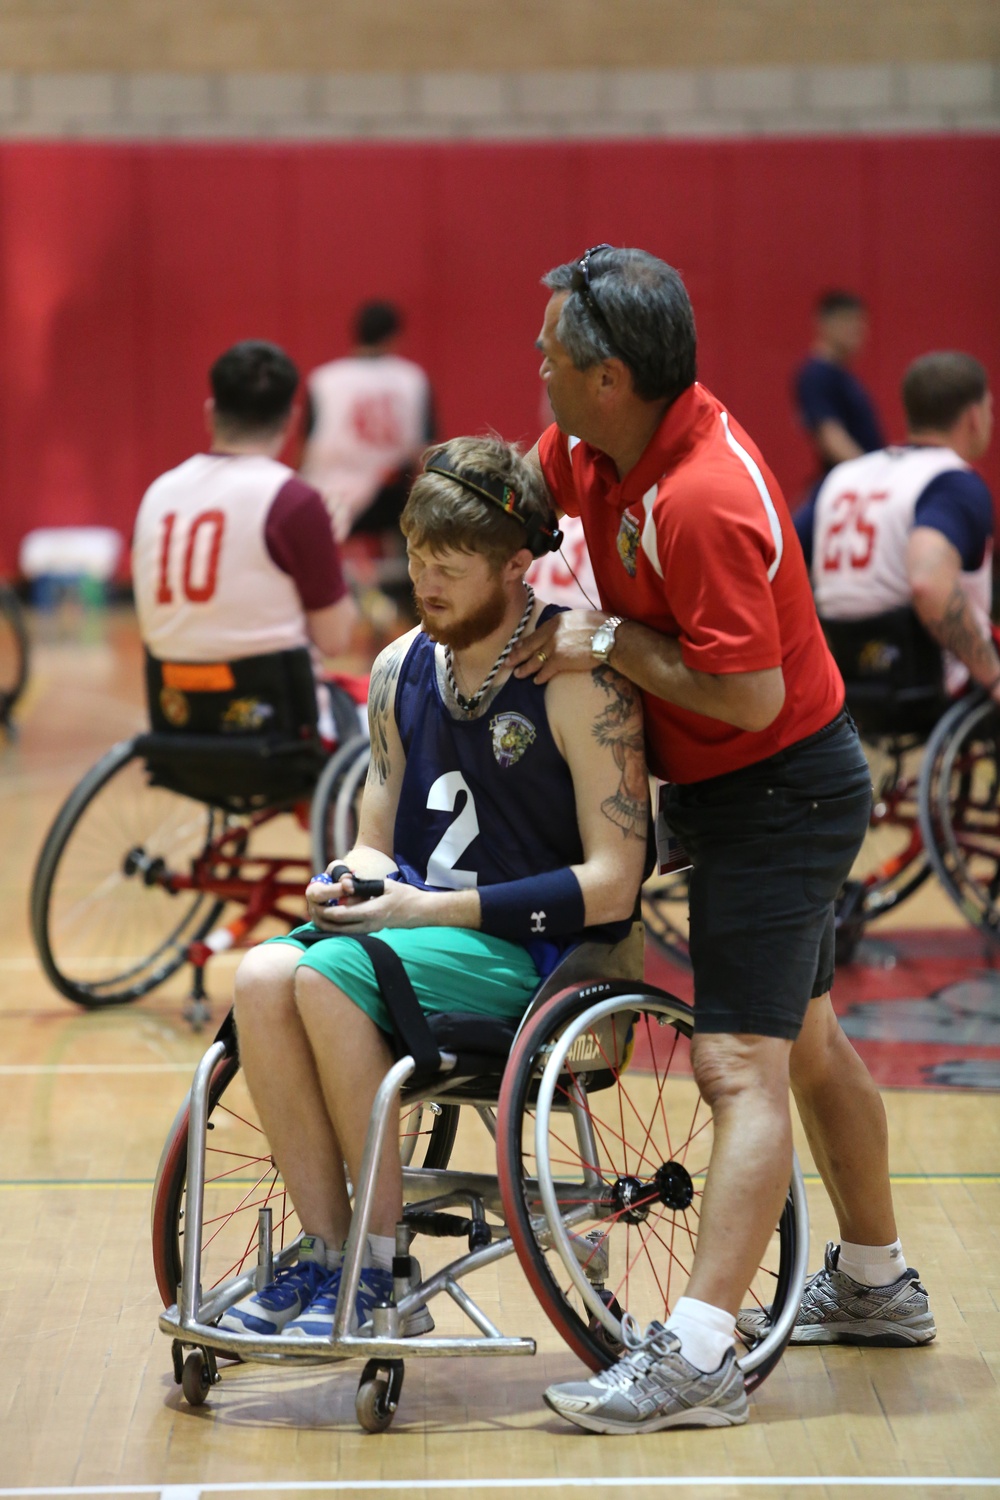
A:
(645, 1348)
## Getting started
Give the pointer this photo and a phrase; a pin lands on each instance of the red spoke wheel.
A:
(241, 1178)
(603, 1182)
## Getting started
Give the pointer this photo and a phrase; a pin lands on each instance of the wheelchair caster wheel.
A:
(196, 1013)
(196, 1379)
(602, 1335)
(378, 1394)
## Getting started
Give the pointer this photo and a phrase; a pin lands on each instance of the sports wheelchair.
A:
(171, 826)
(935, 772)
(602, 1147)
(895, 692)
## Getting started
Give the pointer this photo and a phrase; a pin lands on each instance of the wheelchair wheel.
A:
(241, 1178)
(665, 915)
(959, 812)
(106, 927)
(333, 822)
(13, 651)
(602, 1182)
(892, 862)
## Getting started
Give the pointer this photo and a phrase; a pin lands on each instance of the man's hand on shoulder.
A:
(561, 644)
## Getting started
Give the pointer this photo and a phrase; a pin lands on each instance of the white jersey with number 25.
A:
(864, 514)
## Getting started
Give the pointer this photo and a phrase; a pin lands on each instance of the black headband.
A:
(541, 537)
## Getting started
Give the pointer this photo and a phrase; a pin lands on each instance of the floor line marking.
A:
(813, 1179)
(33, 1070)
(590, 1481)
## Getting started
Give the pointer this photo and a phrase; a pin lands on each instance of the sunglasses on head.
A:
(580, 282)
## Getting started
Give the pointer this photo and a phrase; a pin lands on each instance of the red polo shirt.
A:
(696, 541)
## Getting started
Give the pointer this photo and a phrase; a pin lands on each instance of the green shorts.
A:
(450, 968)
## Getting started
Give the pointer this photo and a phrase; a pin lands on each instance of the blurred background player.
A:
(914, 524)
(833, 406)
(233, 555)
(368, 418)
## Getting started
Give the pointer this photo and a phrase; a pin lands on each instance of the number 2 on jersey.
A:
(199, 564)
(850, 538)
(457, 837)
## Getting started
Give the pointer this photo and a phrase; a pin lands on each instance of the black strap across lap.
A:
(412, 1034)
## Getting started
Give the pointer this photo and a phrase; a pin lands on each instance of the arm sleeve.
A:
(299, 540)
(717, 554)
(557, 470)
(958, 504)
(816, 395)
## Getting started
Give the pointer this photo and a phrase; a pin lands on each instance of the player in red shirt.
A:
(707, 608)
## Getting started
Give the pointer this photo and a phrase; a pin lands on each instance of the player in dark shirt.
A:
(833, 405)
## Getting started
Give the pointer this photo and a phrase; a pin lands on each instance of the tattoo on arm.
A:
(957, 630)
(381, 692)
(619, 726)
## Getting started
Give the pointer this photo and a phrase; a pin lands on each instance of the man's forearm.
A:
(747, 700)
(950, 619)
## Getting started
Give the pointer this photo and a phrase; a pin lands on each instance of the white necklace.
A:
(469, 705)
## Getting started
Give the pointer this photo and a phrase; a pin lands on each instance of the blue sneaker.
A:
(292, 1289)
(375, 1285)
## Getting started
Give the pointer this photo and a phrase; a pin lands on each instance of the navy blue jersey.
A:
(825, 391)
(483, 800)
(959, 505)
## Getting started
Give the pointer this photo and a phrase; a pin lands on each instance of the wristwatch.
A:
(602, 642)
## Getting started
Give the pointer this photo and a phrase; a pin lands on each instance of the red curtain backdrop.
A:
(124, 270)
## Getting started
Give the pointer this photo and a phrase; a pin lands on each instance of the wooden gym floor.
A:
(87, 1400)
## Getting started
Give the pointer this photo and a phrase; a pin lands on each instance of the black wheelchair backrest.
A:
(892, 670)
(239, 734)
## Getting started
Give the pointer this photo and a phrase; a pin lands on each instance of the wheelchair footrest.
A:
(437, 1226)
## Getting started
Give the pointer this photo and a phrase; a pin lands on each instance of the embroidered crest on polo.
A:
(511, 735)
(628, 542)
(538, 921)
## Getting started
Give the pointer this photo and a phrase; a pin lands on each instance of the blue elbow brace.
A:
(538, 906)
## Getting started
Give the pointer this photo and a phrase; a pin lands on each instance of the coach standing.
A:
(709, 612)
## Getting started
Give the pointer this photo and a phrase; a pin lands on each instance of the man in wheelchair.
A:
(900, 544)
(233, 558)
(501, 822)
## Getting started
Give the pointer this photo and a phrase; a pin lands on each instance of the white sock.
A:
(706, 1332)
(321, 1252)
(381, 1249)
(872, 1265)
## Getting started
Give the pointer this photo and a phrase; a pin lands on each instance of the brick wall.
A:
(772, 99)
(320, 36)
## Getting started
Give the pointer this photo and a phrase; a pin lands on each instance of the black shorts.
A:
(771, 846)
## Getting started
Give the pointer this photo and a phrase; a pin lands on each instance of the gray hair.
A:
(650, 322)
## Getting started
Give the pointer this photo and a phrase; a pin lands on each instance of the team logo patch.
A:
(511, 734)
(628, 543)
(174, 707)
(245, 715)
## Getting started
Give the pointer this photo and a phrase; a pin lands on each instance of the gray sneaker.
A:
(836, 1309)
(652, 1387)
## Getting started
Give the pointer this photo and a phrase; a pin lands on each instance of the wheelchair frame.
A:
(222, 868)
(190, 1322)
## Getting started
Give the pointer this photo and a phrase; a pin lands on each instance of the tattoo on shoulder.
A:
(381, 692)
(619, 726)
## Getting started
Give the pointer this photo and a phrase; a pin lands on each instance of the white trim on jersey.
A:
(649, 529)
(753, 469)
